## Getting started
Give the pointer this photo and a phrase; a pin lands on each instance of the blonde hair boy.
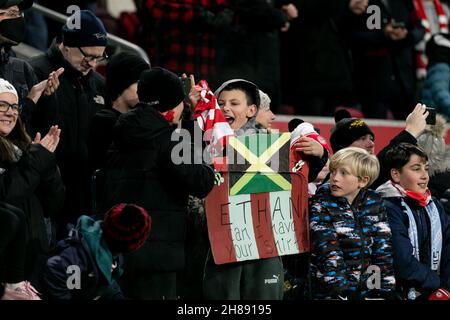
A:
(362, 164)
(350, 231)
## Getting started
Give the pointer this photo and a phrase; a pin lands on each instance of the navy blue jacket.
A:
(86, 250)
(409, 271)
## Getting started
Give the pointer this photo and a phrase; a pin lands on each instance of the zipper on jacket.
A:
(356, 217)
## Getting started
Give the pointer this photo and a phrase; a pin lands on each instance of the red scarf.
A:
(212, 121)
(421, 198)
(169, 116)
(421, 58)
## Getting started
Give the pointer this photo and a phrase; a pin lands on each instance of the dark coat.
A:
(71, 107)
(21, 75)
(250, 47)
(408, 270)
(86, 250)
(383, 66)
(317, 56)
(34, 185)
(100, 137)
(142, 172)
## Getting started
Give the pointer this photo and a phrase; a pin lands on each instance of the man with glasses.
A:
(81, 94)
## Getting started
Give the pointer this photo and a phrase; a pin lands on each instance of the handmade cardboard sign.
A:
(258, 209)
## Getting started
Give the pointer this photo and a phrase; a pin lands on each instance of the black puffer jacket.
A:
(143, 172)
(34, 185)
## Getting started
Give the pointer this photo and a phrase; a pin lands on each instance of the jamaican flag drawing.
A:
(258, 208)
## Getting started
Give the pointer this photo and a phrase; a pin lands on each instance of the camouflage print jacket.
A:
(351, 246)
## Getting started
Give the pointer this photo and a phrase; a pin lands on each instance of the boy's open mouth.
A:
(229, 119)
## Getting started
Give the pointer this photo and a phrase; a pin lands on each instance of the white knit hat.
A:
(5, 86)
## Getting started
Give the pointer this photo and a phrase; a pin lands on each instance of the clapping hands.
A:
(51, 139)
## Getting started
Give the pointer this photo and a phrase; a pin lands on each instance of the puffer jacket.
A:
(346, 240)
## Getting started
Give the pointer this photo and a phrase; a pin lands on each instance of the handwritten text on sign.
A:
(255, 226)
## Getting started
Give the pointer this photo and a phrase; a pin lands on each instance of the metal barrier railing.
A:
(112, 39)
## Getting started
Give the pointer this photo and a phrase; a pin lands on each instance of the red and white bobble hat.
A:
(306, 129)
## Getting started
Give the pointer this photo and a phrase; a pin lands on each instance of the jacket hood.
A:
(139, 126)
(92, 235)
(388, 190)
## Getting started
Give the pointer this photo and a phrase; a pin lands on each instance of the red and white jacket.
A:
(421, 58)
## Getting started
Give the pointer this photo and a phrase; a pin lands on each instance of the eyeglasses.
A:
(5, 106)
(11, 14)
(90, 58)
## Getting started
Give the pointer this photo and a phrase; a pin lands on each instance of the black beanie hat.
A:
(90, 33)
(126, 227)
(347, 131)
(122, 70)
(160, 87)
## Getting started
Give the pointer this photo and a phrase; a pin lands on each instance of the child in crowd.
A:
(420, 226)
(240, 102)
(350, 235)
(86, 265)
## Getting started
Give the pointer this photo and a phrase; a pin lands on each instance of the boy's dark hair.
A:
(250, 89)
(398, 156)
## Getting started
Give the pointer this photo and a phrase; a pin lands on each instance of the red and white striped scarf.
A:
(212, 121)
(421, 58)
